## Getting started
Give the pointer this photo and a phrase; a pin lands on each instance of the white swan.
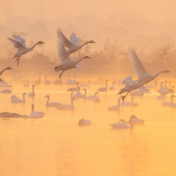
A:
(85, 85)
(171, 90)
(7, 68)
(52, 104)
(67, 106)
(66, 62)
(27, 83)
(104, 89)
(46, 81)
(36, 114)
(116, 107)
(15, 99)
(84, 122)
(32, 94)
(162, 90)
(135, 121)
(72, 45)
(129, 103)
(152, 85)
(21, 47)
(74, 88)
(123, 125)
(141, 73)
(79, 94)
(167, 103)
(38, 81)
(91, 97)
(112, 87)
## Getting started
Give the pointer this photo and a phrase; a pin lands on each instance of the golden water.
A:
(55, 145)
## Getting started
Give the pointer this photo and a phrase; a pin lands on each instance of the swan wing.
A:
(128, 81)
(62, 52)
(137, 64)
(65, 41)
(20, 40)
(16, 44)
(74, 40)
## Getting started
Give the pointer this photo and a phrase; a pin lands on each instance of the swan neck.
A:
(131, 123)
(33, 46)
(23, 98)
(47, 101)
(85, 93)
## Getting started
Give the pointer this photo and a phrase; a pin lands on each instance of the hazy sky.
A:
(51, 9)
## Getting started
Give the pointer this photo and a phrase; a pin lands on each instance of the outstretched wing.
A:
(16, 44)
(65, 41)
(20, 40)
(128, 81)
(74, 40)
(62, 52)
(137, 64)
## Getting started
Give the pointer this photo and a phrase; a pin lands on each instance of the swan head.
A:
(33, 85)
(91, 41)
(9, 68)
(133, 116)
(87, 57)
(47, 96)
(41, 42)
(166, 71)
(24, 94)
(107, 80)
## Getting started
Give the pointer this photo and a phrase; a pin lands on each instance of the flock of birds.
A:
(65, 48)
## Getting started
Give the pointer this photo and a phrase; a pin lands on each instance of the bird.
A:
(15, 99)
(143, 76)
(123, 125)
(71, 81)
(27, 83)
(74, 88)
(6, 91)
(167, 103)
(162, 90)
(52, 104)
(112, 87)
(38, 81)
(46, 81)
(152, 85)
(7, 68)
(66, 62)
(67, 106)
(36, 114)
(171, 90)
(85, 85)
(78, 94)
(116, 107)
(72, 45)
(83, 122)
(103, 89)
(20, 44)
(11, 115)
(32, 94)
(129, 103)
(91, 97)
(135, 121)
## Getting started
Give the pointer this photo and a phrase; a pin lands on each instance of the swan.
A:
(152, 85)
(96, 98)
(52, 104)
(123, 125)
(27, 83)
(32, 94)
(74, 88)
(143, 76)
(103, 89)
(57, 81)
(91, 97)
(85, 85)
(129, 103)
(6, 91)
(72, 45)
(7, 68)
(162, 90)
(84, 122)
(166, 103)
(79, 94)
(67, 106)
(21, 47)
(15, 99)
(66, 62)
(112, 87)
(116, 107)
(46, 81)
(36, 114)
(135, 121)
(171, 90)
(38, 81)
(13, 115)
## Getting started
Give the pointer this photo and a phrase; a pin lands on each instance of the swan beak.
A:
(74, 99)
(25, 94)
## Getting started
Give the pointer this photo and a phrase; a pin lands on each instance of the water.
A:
(55, 144)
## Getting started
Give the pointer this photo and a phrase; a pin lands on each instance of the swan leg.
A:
(123, 98)
(17, 60)
(61, 74)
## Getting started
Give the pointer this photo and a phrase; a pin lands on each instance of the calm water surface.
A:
(55, 145)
